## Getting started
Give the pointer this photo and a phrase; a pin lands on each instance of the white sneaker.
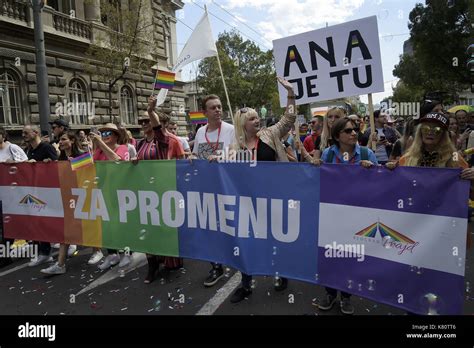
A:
(110, 260)
(40, 260)
(125, 261)
(71, 250)
(54, 269)
(95, 258)
(55, 246)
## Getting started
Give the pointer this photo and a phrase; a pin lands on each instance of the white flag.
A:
(200, 45)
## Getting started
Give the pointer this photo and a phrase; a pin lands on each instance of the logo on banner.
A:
(387, 237)
(33, 202)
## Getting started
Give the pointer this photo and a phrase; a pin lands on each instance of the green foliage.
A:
(249, 73)
(440, 36)
(126, 38)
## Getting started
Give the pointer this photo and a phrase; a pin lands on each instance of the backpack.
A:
(364, 154)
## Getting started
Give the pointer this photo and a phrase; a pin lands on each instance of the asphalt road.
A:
(85, 290)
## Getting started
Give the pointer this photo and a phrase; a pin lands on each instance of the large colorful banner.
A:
(395, 237)
(334, 62)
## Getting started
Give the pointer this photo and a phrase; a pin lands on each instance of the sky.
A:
(265, 20)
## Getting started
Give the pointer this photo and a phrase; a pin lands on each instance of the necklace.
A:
(216, 145)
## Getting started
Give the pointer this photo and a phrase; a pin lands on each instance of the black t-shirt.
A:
(397, 149)
(42, 151)
(265, 152)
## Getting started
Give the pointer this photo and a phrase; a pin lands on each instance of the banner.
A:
(394, 237)
(334, 62)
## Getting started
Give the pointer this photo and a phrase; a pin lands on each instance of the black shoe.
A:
(346, 307)
(281, 284)
(327, 303)
(240, 294)
(214, 275)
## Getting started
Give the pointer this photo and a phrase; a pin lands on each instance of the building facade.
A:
(70, 27)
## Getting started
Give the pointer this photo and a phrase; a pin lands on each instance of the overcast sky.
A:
(266, 20)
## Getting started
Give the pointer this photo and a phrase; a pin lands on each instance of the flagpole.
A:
(223, 80)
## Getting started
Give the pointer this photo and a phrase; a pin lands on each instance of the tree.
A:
(124, 47)
(249, 73)
(440, 35)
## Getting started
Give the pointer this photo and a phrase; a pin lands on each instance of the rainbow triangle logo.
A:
(384, 231)
(30, 199)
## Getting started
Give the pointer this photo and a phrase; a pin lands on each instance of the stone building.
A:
(69, 28)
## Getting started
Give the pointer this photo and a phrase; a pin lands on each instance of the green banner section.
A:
(132, 195)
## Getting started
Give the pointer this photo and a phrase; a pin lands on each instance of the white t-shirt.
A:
(185, 143)
(202, 149)
(12, 152)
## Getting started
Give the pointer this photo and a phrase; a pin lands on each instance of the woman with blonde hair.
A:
(325, 140)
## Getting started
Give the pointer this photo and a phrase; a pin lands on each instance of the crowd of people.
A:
(433, 138)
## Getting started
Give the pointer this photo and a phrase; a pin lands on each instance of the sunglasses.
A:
(142, 122)
(436, 130)
(350, 130)
(106, 134)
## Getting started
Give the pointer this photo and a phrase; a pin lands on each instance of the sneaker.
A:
(110, 260)
(327, 303)
(40, 260)
(240, 294)
(55, 245)
(71, 250)
(54, 269)
(125, 261)
(346, 307)
(95, 257)
(214, 275)
(281, 284)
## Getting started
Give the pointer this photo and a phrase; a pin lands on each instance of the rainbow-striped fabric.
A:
(197, 117)
(164, 79)
(82, 161)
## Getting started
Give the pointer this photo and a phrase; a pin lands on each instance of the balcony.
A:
(72, 26)
(13, 9)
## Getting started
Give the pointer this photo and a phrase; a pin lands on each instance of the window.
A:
(10, 105)
(78, 99)
(114, 20)
(126, 105)
(64, 6)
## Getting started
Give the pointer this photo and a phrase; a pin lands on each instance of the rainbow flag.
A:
(197, 117)
(82, 161)
(164, 79)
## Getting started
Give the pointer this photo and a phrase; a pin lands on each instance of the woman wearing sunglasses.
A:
(432, 147)
(345, 150)
(326, 140)
(158, 144)
(109, 146)
(70, 148)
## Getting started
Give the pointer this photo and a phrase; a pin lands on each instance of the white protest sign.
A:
(335, 62)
